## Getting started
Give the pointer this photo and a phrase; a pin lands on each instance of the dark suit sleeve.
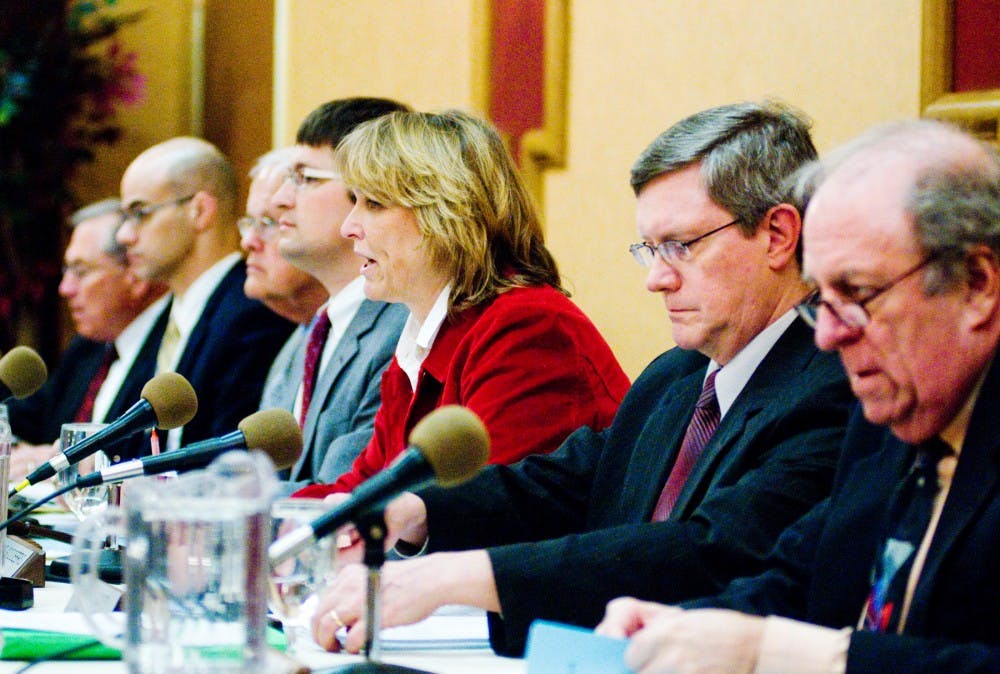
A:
(235, 388)
(870, 652)
(542, 496)
(572, 578)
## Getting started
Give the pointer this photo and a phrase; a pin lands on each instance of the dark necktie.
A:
(908, 521)
(699, 432)
(86, 409)
(314, 353)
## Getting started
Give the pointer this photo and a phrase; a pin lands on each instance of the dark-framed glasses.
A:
(138, 212)
(307, 175)
(670, 251)
(263, 227)
(852, 314)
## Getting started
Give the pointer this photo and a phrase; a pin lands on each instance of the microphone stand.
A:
(372, 528)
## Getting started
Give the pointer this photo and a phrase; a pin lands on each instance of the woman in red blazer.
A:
(442, 222)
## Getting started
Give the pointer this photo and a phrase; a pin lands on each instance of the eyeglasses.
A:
(263, 227)
(80, 270)
(139, 213)
(307, 175)
(852, 314)
(670, 251)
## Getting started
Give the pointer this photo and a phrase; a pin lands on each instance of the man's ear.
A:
(203, 209)
(982, 286)
(784, 231)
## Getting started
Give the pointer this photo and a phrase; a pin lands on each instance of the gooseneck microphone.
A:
(22, 372)
(167, 401)
(275, 432)
(450, 445)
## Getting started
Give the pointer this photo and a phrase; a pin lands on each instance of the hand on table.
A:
(669, 639)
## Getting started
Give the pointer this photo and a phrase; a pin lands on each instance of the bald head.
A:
(902, 237)
(180, 201)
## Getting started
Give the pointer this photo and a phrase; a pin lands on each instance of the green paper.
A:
(20, 644)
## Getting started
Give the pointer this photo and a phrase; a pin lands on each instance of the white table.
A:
(54, 596)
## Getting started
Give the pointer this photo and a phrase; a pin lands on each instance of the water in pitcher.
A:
(195, 600)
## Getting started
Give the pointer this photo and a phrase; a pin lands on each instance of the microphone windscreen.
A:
(172, 398)
(22, 371)
(276, 433)
(454, 441)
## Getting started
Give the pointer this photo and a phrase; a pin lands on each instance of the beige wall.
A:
(634, 68)
(637, 67)
(422, 53)
(234, 110)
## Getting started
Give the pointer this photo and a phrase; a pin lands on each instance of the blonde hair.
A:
(474, 213)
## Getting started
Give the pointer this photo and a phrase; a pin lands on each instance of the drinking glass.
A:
(293, 583)
(83, 502)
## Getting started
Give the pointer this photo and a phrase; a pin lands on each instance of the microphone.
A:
(275, 432)
(167, 401)
(449, 444)
(22, 372)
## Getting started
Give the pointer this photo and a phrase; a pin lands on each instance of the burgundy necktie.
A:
(314, 351)
(699, 432)
(86, 410)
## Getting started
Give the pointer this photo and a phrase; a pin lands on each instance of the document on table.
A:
(448, 628)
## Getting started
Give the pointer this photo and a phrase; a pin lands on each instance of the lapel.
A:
(289, 373)
(343, 354)
(657, 445)
(973, 487)
(768, 390)
(143, 367)
(195, 347)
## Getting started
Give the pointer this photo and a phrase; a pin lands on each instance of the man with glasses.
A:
(719, 445)
(106, 364)
(179, 205)
(334, 376)
(896, 571)
(282, 287)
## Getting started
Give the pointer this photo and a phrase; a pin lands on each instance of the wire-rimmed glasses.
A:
(852, 314)
(670, 251)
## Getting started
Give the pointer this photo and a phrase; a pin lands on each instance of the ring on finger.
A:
(335, 618)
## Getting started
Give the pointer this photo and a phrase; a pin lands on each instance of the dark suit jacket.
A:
(38, 418)
(821, 569)
(771, 458)
(227, 357)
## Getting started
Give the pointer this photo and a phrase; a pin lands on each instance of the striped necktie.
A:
(699, 431)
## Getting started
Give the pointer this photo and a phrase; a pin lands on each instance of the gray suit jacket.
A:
(342, 414)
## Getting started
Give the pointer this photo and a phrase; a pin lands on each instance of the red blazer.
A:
(529, 363)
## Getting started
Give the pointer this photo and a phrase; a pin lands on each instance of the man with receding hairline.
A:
(897, 570)
(179, 200)
(103, 369)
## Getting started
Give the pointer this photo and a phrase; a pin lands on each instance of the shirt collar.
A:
(131, 339)
(416, 340)
(187, 310)
(342, 306)
(737, 372)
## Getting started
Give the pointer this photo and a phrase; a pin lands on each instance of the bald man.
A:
(180, 205)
